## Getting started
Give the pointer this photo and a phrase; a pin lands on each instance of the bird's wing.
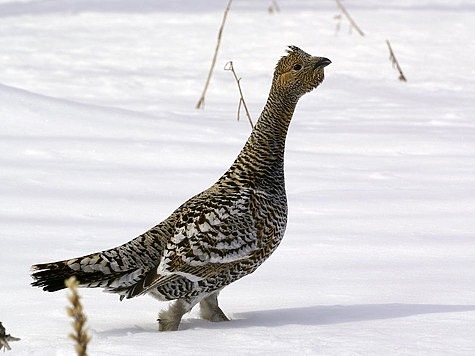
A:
(212, 231)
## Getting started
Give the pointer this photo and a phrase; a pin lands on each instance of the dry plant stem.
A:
(392, 58)
(79, 319)
(338, 23)
(229, 66)
(274, 7)
(201, 102)
(352, 22)
(5, 338)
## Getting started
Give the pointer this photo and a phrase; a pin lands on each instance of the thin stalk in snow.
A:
(201, 102)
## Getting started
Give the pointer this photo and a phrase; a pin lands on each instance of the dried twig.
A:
(337, 18)
(201, 102)
(229, 66)
(395, 63)
(352, 22)
(79, 319)
(273, 7)
(4, 338)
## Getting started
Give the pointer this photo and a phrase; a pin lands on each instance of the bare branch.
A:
(352, 22)
(201, 102)
(229, 66)
(395, 63)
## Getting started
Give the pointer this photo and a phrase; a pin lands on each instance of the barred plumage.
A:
(219, 235)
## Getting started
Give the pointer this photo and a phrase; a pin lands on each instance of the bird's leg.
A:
(169, 320)
(210, 310)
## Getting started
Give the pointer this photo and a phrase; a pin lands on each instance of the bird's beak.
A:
(322, 62)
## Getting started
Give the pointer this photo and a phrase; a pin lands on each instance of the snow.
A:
(99, 141)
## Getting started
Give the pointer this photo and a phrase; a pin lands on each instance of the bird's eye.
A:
(297, 66)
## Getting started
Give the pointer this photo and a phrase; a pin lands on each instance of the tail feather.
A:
(51, 276)
(115, 270)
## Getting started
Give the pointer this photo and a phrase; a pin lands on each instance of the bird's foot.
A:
(169, 320)
(167, 325)
(209, 309)
(214, 316)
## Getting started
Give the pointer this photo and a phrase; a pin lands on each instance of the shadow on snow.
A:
(335, 314)
(313, 315)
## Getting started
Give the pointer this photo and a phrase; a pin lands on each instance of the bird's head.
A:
(298, 72)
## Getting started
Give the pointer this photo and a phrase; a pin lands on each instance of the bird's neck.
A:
(271, 129)
(262, 158)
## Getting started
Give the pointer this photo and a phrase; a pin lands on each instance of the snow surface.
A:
(99, 141)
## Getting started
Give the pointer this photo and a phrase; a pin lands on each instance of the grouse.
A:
(218, 236)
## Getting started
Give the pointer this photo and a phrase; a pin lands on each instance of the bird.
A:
(219, 235)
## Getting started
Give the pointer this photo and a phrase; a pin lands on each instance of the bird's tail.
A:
(115, 270)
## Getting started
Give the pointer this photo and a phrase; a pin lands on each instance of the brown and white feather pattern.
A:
(219, 235)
